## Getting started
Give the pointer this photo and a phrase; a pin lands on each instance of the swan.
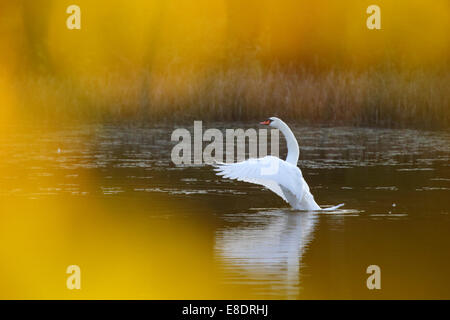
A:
(282, 177)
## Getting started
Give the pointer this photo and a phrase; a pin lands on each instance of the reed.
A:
(385, 97)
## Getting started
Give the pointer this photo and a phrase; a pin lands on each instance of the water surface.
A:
(109, 199)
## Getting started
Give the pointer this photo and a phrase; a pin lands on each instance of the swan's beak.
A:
(267, 122)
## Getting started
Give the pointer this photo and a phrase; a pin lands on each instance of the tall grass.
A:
(379, 97)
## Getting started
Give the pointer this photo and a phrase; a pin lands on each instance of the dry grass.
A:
(382, 97)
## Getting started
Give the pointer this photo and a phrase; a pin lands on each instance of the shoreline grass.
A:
(380, 97)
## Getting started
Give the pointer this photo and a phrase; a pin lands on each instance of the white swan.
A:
(282, 177)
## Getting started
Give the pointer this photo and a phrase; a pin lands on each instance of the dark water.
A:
(109, 199)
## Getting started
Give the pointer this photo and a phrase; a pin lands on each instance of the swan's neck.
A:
(292, 145)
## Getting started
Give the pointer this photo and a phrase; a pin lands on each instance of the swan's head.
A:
(272, 122)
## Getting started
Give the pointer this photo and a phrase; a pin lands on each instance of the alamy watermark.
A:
(73, 22)
(74, 280)
(374, 280)
(219, 148)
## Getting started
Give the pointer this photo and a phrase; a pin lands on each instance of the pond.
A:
(109, 199)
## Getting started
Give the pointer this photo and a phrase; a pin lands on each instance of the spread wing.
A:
(271, 172)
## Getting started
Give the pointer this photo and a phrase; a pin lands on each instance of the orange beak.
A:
(267, 122)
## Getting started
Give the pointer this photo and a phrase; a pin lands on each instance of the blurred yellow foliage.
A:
(145, 40)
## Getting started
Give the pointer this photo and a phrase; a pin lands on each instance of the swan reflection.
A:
(266, 248)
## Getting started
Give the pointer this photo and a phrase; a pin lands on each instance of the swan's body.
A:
(282, 177)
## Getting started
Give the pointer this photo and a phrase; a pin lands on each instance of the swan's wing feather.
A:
(270, 172)
(271, 185)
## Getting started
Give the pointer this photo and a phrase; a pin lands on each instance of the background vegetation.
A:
(314, 62)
